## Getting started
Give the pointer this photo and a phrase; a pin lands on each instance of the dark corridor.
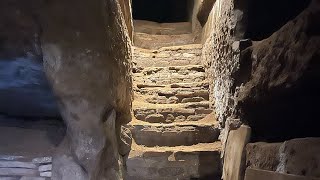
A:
(162, 11)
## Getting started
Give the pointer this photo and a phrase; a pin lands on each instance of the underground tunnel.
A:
(163, 90)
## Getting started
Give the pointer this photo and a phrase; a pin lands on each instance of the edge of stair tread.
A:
(200, 147)
(200, 123)
(167, 67)
(146, 105)
(170, 48)
(196, 84)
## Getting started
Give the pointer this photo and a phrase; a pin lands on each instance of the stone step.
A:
(149, 134)
(169, 92)
(203, 84)
(168, 113)
(173, 69)
(151, 41)
(173, 95)
(169, 75)
(167, 56)
(180, 162)
(150, 27)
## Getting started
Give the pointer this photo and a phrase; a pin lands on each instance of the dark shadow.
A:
(267, 16)
(162, 10)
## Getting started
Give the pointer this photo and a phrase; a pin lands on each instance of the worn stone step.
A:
(167, 56)
(150, 27)
(172, 95)
(169, 75)
(169, 92)
(174, 99)
(151, 41)
(174, 134)
(173, 69)
(189, 86)
(168, 113)
(180, 162)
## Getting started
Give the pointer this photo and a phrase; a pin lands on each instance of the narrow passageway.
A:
(174, 130)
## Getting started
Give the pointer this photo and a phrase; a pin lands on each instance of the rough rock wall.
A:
(221, 55)
(87, 59)
(126, 7)
(281, 80)
(24, 90)
(297, 156)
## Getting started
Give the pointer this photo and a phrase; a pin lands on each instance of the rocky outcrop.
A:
(281, 80)
(89, 69)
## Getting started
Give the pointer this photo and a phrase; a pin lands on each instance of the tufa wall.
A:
(87, 58)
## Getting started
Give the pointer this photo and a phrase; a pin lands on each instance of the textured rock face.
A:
(281, 80)
(219, 57)
(263, 155)
(86, 57)
(296, 156)
(127, 14)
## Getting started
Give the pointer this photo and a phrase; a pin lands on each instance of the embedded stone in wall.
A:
(254, 174)
(234, 158)
(296, 156)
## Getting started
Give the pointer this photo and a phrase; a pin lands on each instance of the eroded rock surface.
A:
(296, 156)
(86, 57)
(281, 80)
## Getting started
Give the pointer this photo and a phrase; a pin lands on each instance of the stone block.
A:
(300, 157)
(263, 155)
(256, 174)
(47, 167)
(234, 157)
(17, 164)
(155, 118)
(18, 172)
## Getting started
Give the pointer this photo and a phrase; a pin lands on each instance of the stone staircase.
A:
(175, 135)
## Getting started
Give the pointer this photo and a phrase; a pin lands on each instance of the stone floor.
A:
(174, 129)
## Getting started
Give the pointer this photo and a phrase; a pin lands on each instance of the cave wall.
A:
(87, 57)
(126, 8)
(24, 90)
(281, 81)
(221, 55)
(269, 85)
